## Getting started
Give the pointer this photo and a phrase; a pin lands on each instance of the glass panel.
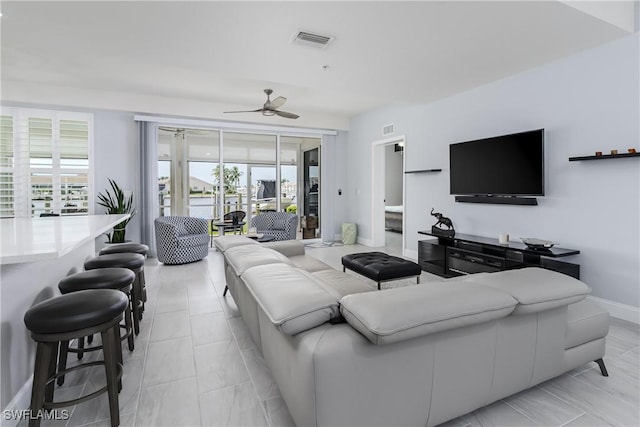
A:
(6, 166)
(203, 194)
(74, 144)
(41, 193)
(164, 187)
(74, 190)
(264, 189)
(203, 154)
(250, 161)
(40, 142)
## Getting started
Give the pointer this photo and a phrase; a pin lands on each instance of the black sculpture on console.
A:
(442, 221)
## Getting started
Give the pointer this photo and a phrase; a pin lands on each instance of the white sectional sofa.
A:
(345, 354)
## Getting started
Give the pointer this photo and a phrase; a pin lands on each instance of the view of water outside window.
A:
(203, 193)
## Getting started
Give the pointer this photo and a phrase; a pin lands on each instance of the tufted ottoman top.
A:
(379, 266)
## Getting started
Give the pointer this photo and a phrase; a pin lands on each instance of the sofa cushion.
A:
(403, 313)
(286, 247)
(181, 229)
(341, 284)
(227, 242)
(241, 258)
(586, 321)
(536, 289)
(309, 263)
(290, 297)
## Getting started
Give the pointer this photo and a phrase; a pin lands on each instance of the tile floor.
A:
(195, 365)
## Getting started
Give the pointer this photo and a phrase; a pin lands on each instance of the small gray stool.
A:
(67, 317)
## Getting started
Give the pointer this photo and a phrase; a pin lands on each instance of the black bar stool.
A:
(105, 278)
(136, 248)
(67, 317)
(133, 262)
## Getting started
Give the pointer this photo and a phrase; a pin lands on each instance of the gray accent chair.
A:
(180, 240)
(280, 225)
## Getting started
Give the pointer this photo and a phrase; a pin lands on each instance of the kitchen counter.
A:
(35, 254)
(36, 239)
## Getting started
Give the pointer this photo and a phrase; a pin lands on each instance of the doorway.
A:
(388, 195)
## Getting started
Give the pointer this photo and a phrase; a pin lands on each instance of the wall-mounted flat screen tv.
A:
(507, 165)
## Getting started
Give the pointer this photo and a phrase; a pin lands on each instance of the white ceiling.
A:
(223, 54)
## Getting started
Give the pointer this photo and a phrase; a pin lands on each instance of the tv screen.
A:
(507, 165)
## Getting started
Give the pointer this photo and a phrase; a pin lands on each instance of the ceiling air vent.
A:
(310, 39)
(388, 129)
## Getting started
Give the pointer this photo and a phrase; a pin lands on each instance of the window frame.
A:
(22, 169)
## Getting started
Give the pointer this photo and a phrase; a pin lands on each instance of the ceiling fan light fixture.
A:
(268, 113)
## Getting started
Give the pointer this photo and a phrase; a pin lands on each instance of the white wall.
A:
(116, 157)
(392, 176)
(587, 102)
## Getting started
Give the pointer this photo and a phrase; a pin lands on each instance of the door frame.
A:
(378, 189)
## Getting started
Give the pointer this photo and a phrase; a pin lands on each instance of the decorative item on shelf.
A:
(598, 153)
(537, 244)
(503, 238)
(631, 150)
(117, 203)
(443, 221)
(614, 152)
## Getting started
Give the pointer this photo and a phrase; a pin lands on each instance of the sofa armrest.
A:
(404, 313)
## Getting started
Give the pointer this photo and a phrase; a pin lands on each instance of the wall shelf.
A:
(424, 171)
(604, 156)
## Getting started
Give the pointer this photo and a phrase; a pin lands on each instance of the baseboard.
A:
(20, 401)
(413, 255)
(366, 242)
(618, 310)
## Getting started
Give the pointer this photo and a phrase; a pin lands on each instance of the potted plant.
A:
(117, 203)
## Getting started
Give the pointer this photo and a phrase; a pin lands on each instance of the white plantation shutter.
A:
(6, 166)
(51, 166)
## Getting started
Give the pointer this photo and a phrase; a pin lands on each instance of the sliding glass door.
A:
(209, 173)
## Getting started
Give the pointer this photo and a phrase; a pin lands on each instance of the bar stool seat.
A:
(103, 278)
(75, 311)
(136, 248)
(67, 317)
(132, 261)
(135, 263)
(115, 278)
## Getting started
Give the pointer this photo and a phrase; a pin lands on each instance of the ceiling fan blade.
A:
(278, 102)
(287, 115)
(245, 111)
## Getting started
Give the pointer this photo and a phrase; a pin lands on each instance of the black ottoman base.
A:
(381, 267)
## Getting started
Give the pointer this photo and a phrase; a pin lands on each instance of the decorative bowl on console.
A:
(538, 244)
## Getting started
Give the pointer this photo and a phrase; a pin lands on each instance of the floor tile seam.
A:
(175, 380)
(518, 410)
(227, 387)
(255, 387)
(573, 419)
(152, 313)
(628, 351)
(603, 390)
(193, 357)
(246, 367)
(590, 368)
(197, 346)
(565, 401)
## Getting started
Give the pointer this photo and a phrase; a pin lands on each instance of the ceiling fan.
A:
(270, 108)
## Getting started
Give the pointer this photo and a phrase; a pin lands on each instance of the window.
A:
(45, 166)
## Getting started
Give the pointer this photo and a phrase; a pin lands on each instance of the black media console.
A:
(466, 254)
